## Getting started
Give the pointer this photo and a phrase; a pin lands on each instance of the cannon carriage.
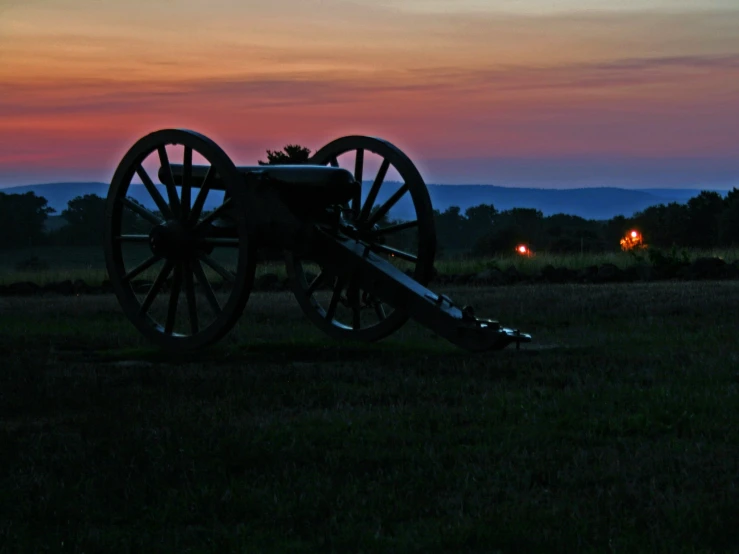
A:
(355, 275)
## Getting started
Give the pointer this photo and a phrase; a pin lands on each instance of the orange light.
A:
(632, 240)
(523, 250)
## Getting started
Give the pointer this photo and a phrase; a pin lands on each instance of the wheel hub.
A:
(172, 240)
(361, 231)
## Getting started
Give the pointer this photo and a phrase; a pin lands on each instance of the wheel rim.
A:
(335, 303)
(182, 272)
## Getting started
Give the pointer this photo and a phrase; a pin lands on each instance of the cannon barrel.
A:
(311, 176)
(306, 189)
(437, 312)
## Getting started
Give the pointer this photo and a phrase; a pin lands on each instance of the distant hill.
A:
(590, 203)
(59, 194)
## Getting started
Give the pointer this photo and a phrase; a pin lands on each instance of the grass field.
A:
(88, 263)
(616, 430)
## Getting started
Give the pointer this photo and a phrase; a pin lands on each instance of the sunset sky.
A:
(512, 92)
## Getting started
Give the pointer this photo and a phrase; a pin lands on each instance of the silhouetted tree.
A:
(664, 225)
(511, 227)
(481, 217)
(290, 154)
(728, 221)
(22, 218)
(85, 216)
(614, 230)
(731, 196)
(703, 212)
(450, 231)
(479, 221)
(571, 233)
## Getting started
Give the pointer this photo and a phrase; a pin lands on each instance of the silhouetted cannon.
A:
(356, 274)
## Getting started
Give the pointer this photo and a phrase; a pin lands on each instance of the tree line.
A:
(707, 220)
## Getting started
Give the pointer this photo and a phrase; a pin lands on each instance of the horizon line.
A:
(722, 188)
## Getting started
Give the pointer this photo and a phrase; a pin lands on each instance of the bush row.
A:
(702, 268)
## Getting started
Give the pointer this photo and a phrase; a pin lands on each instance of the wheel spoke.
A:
(213, 215)
(151, 217)
(372, 196)
(186, 182)
(192, 306)
(207, 289)
(174, 298)
(218, 268)
(155, 287)
(315, 283)
(153, 192)
(331, 312)
(395, 228)
(352, 294)
(358, 170)
(393, 252)
(382, 210)
(174, 201)
(132, 238)
(380, 311)
(143, 266)
(197, 206)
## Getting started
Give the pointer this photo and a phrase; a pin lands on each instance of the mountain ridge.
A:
(590, 203)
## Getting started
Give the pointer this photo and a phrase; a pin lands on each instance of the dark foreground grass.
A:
(617, 430)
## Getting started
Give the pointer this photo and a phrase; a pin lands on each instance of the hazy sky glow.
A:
(545, 92)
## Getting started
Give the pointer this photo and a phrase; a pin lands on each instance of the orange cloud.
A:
(76, 89)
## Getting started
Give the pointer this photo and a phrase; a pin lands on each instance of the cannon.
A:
(356, 274)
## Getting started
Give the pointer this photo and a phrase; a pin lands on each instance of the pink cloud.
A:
(658, 106)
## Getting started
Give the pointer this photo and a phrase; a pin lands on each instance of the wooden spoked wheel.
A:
(335, 303)
(183, 271)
